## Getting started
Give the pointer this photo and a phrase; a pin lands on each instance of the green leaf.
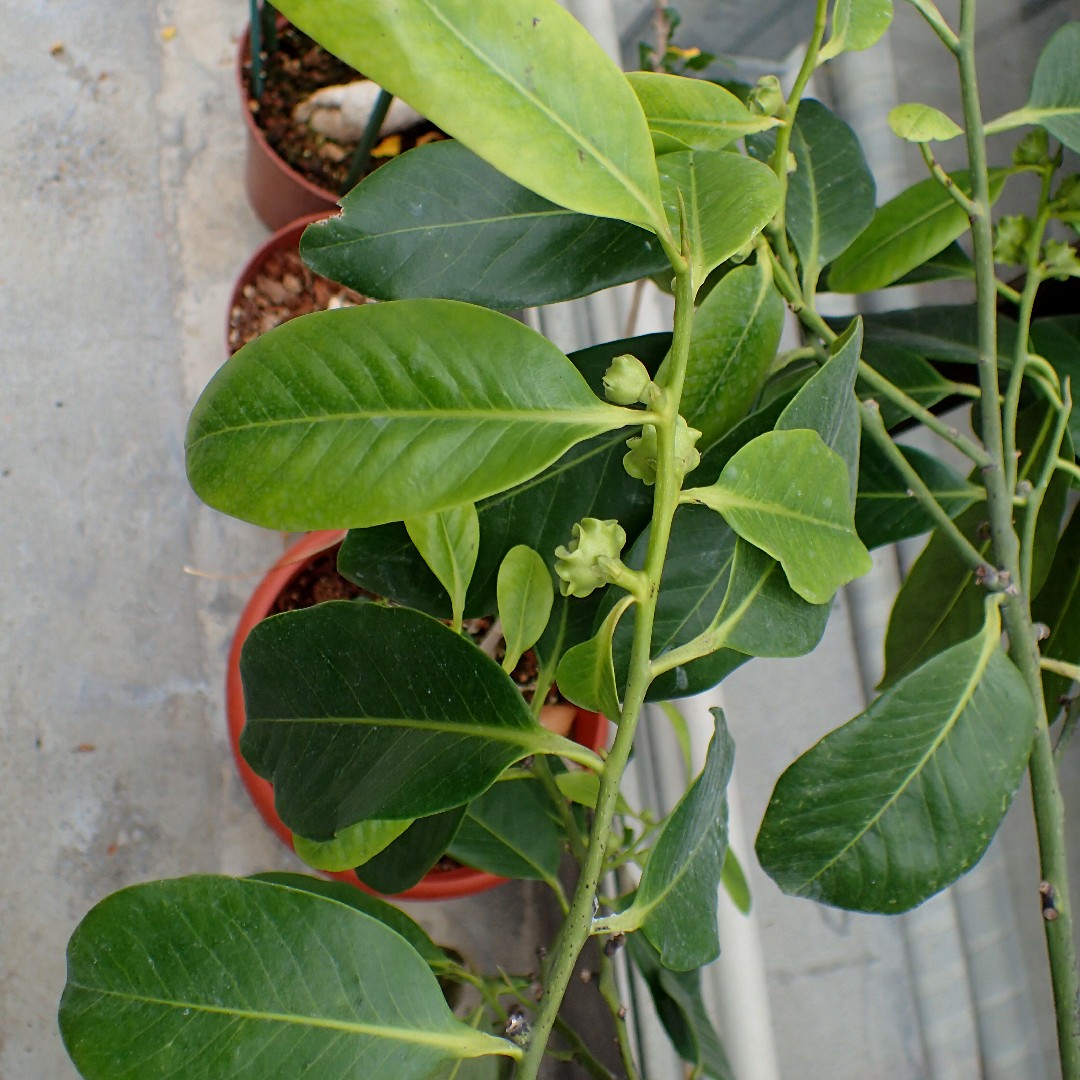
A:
(1052, 339)
(586, 675)
(787, 493)
(351, 846)
(440, 222)
(907, 231)
(856, 25)
(735, 336)
(588, 481)
(218, 979)
(523, 85)
(583, 788)
(937, 332)
(949, 265)
(675, 904)
(922, 124)
(390, 916)
(402, 864)
(448, 542)
(679, 1005)
(886, 511)
(830, 195)
(735, 884)
(356, 711)
(899, 802)
(1058, 607)
(729, 199)
(383, 412)
(525, 596)
(1054, 101)
(692, 114)
(510, 831)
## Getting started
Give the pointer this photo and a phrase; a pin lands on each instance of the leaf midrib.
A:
(762, 506)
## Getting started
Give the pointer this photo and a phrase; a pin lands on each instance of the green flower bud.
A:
(1033, 148)
(1067, 196)
(1011, 237)
(626, 380)
(640, 462)
(767, 97)
(586, 562)
(1061, 260)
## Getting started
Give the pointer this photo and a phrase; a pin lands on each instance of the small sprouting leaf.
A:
(211, 978)
(906, 232)
(525, 596)
(856, 25)
(675, 904)
(1054, 102)
(448, 542)
(382, 412)
(346, 730)
(899, 802)
(922, 124)
(787, 493)
(351, 847)
(693, 114)
(728, 198)
(586, 675)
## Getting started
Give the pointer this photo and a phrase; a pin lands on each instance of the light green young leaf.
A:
(586, 674)
(729, 199)
(525, 595)
(523, 85)
(735, 884)
(693, 114)
(1054, 102)
(922, 124)
(856, 25)
(210, 977)
(448, 542)
(787, 493)
(676, 901)
(382, 412)
(899, 802)
(906, 232)
(735, 336)
(583, 787)
(352, 846)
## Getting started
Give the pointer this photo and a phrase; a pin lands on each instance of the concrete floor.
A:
(124, 221)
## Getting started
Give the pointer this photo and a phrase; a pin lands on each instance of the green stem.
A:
(362, 154)
(1046, 792)
(576, 928)
(1066, 466)
(947, 182)
(610, 993)
(581, 1053)
(542, 770)
(875, 428)
(928, 10)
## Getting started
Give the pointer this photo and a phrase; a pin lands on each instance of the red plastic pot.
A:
(589, 729)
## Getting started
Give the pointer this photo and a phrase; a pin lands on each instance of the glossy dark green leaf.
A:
(439, 221)
(937, 332)
(899, 802)
(677, 998)
(1056, 340)
(357, 711)
(676, 902)
(352, 846)
(510, 831)
(830, 196)
(381, 412)
(405, 862)
(908, 371)
(692, 114)
(909, 229)
(728, 198)
(213, 978)
(886, 511)
(735, 336)
(586, 673)
(856, 25)
(1054, 102)
(524, 86)
(948, 265)
(1058, 607)
(588, 481)
(525, 595)
(370, 905)
(787, 493)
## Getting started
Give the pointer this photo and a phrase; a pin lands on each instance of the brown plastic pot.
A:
(588, 728)
(276, 191)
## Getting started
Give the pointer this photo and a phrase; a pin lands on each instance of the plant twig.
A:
(928, 10)
(947, 182)
(609, 992)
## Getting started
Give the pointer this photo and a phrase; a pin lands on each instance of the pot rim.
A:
(589, 729)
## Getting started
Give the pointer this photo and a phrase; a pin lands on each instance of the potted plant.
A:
(294, 169)
(476, 466)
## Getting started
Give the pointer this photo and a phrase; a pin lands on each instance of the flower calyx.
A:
(640, 462)
(591, 559)
(1011, 237)
(767, 97)
(627, 382)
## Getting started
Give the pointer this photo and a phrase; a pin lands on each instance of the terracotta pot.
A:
(588, 729)
(285, 239)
